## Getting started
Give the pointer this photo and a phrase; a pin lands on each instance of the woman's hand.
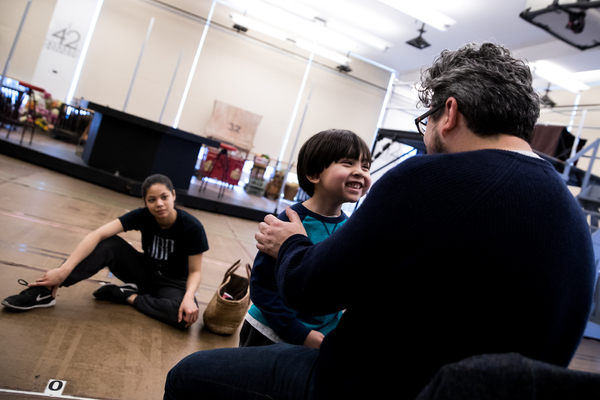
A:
(52, 279)
(188, 311)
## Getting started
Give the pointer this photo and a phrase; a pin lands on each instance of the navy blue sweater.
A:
(449, 256)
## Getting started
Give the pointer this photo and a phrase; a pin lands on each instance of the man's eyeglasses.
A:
(421, 122)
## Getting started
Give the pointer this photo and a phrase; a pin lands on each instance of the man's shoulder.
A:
(418, 164)
(489, 156)
(458, 171)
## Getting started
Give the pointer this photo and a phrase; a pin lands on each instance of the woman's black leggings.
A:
(159, 297)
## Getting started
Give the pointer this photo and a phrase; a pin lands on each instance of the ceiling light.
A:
(254, 25)
(588, 76)
(363, 37)
(295, 8)
(557, 75)
(323, 52)
(320, 34)
(291, 16)
(264, 11)
(421, 12)
(244, 22)
(284, 24)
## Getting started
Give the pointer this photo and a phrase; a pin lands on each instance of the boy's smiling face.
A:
(345, 181)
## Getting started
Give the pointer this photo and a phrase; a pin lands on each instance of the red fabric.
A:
(236, 165)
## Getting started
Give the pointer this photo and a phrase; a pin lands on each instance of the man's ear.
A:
(449, 120)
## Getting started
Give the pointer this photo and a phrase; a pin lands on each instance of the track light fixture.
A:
(419, 42)
(545, 99)
(240, 28)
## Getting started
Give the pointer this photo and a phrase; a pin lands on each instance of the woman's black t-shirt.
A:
(167, 250)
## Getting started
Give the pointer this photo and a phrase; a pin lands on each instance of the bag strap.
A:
(234, 268)
(231, 270)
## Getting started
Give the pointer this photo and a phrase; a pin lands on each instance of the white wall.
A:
(232, 68)
(31, 39)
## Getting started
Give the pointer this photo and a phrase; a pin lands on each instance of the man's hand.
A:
(273, 232)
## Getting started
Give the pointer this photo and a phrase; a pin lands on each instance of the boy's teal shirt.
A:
(268, 310)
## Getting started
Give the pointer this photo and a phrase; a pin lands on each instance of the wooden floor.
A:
(102, 350)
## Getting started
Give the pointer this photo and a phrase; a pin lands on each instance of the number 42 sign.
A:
(55, 387)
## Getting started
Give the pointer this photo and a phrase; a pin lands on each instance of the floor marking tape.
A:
(62, 396)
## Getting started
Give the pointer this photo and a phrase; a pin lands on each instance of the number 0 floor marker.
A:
(55, 387)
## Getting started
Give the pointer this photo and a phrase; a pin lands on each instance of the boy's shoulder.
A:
(300, 210)
(304, 212)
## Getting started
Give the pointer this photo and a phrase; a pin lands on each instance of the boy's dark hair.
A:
(154, 179)
(325, 148)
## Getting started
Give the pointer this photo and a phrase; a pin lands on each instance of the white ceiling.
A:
(476, 21)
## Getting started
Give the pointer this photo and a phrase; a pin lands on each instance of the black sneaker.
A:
(116, 293)
(29, 298)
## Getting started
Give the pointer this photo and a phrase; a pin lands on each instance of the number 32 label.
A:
(234, 128)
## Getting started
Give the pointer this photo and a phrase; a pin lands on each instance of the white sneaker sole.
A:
(6, 304)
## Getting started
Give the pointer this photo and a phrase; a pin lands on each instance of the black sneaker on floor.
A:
(29, 298)
(116, 293)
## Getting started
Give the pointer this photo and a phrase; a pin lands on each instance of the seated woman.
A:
(161, 281)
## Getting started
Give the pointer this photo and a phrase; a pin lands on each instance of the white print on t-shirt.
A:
(161, 248)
